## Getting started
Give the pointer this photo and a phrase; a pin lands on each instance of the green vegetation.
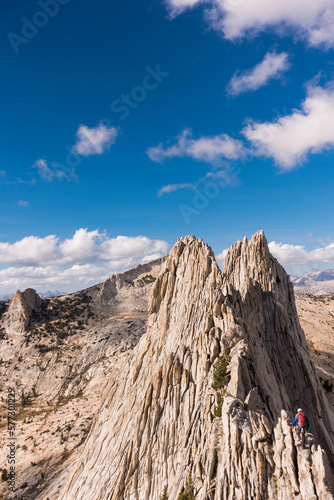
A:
(164, 494)
(4, 475)
(188, 492)
(3, 308)
(145, 280)
(218, 409)
(2, 333)
(221, 379)
(59, 319)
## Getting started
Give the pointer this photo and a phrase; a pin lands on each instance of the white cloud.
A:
(2, 174)
(297, 254)
(211, 149)
(272, 67)
(83, 260)
(94, 141)
(50, 174)
(23, 203)
(216, 179)
(221, 256)
(83, 248)
(177, 6)
(289, 139)
(170, 188)
(312, 20)
(76, 277)
(29, 250)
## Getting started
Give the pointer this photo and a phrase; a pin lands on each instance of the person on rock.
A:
(301, 422)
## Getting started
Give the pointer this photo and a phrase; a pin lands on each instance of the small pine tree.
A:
(4, 475)
(220, 377)
(164, 495)
(188, 492)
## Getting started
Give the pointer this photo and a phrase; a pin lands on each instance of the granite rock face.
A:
(21, 305)
(208, 394)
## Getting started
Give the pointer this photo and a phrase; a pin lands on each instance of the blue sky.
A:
(229, 129)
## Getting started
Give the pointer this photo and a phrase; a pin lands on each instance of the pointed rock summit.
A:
(21, 306)
(206, 402)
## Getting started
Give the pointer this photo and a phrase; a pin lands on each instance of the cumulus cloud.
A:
(298, 255)
(23, 203)
(221, 256)
(84, 247)
(210, 149)
(73, 278)
(310, 20)
(289, 139)
(50, 173)
(95, 140)
(272, 67)
(83, 260)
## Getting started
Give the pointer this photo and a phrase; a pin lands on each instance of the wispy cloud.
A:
(3, 174)
(95, 140)
(23, 203)
(176, 7)
(272, 67)
(289, 139)
(308, 20)
(170, 188)
(50, 174)
(221, 177)
(209, 149)
(18, 180)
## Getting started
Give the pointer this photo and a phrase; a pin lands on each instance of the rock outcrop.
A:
(21, 306)
(207, 396)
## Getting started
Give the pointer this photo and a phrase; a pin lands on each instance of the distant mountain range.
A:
(316, 282)
(43, 295)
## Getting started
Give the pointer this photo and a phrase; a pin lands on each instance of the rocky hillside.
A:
(190, 391)
(58, 354)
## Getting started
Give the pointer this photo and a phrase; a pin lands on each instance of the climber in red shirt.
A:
(302, 424)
